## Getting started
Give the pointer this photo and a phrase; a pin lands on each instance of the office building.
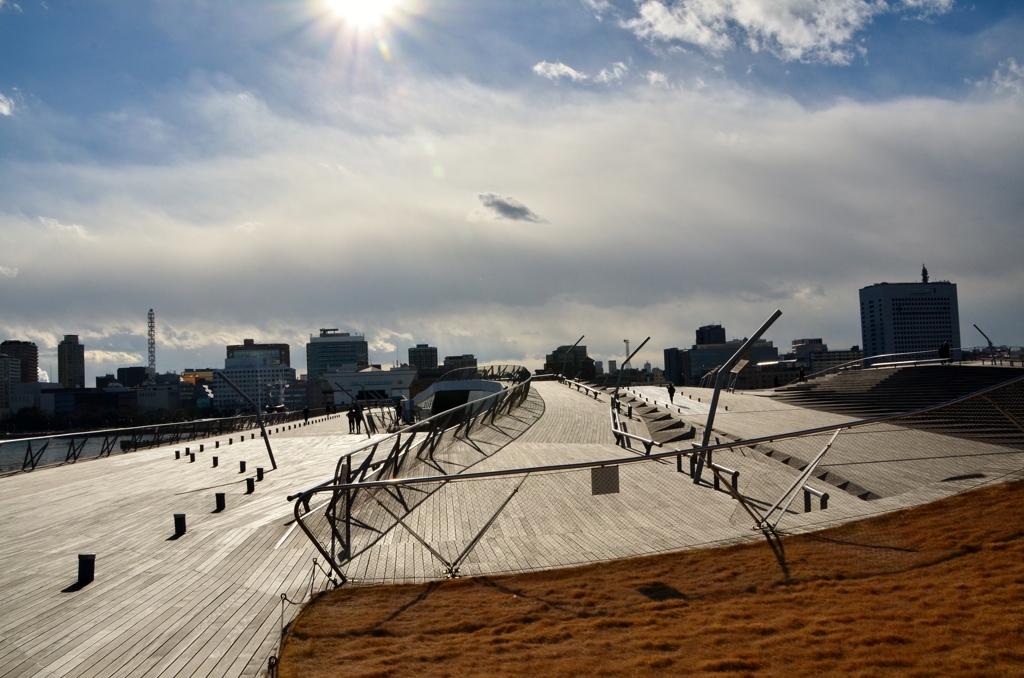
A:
(71, 362)
(334, 351)
(10, 376)
(27, 353)
(458, 362)
(423, 357)
(250, 349)
(263, 380)
(685, 367)
(578, 365)
(132, 377)
(371, 383)
(710, 334)
(909, 317)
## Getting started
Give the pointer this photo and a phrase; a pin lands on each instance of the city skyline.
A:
(499, 178)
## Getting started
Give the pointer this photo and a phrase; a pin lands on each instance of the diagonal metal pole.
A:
(259, 416)
(566, 359)
(722, 371)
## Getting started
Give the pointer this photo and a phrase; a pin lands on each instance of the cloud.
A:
(74, 230)
(248, 227)
(648, 195)
(558, 70)
(1008, 79)
(509, 208)
(119, 358)
(599, 6)
(792, 30)
(617, 72)
(8, 272)
(656, 78)
(6, 105)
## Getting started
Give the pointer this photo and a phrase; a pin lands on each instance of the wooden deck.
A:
(209, 603)
(205, 604)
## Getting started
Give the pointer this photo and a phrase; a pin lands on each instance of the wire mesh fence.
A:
(444, 520)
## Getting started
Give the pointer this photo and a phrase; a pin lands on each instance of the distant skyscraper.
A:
(908, 317)
(27, 354)
(710, 334)
(10, 374)
(71, 362)
(423, 357)
(333, 351)
(250, 349)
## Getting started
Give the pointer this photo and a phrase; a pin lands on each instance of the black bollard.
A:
(220, 501)
(186, 450)
(177, 454)
(191, 457)
(250, 485)
(216, 444)
(229, 441)
(259, 473)
(215, 462)
(241, 466)
(86, 568)
(179, 524)
(200, 448)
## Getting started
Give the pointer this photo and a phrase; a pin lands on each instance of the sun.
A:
(361, 13)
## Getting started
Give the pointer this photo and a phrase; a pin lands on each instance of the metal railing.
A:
(469, 504)
(28, 454)
(580, 387)
(413, 448)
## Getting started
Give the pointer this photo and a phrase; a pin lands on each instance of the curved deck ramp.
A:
(548, 519)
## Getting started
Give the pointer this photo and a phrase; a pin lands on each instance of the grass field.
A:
(932, 590)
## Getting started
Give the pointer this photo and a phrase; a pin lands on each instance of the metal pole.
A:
(259, 416)
(566, 359)
(722, 371)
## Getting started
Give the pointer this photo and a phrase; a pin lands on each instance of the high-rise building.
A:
(132, 376)
(334, 351)
(909, 317)
(250, 349)
(263, 380)
(710, 334)
(578, 365)
(688, 366)
(27, 354)
(10, 374)
(423, 357)
(71, 362)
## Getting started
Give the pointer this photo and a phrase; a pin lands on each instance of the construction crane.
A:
(986, 337)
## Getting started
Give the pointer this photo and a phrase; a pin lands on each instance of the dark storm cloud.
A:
(510, 208)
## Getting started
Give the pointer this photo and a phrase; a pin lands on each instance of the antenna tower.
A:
(151, 369)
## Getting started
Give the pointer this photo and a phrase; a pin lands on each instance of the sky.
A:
(500, 177)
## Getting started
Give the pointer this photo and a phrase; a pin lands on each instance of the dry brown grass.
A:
(933, 590)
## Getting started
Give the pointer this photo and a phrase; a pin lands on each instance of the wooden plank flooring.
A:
(208, 603)
(205, 604)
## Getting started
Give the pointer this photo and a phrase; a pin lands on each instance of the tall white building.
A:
(906, 317)
(262, 379)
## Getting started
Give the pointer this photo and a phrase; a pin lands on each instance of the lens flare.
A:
(361, 13)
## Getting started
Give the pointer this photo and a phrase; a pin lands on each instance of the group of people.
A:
(355, 419)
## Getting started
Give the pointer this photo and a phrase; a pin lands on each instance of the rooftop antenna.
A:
(984, 335)
(151, 369)
(924, 274)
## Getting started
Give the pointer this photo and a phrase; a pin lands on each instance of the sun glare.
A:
(361, 13)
